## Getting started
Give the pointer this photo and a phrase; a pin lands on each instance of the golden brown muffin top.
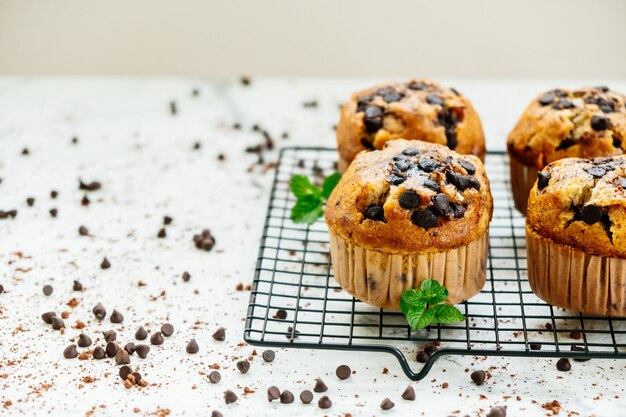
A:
(412, 196)
(582, 203)
(418, 109)
(583, 123)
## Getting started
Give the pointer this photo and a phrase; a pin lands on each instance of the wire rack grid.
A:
(293, 273)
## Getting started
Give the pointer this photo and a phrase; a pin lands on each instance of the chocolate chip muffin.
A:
(410, 212)
(419, 109)
(583, 123)
(575, 235)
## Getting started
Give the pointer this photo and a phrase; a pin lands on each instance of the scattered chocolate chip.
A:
(409, 394)
(575, 348)
(91, 186)
(161, 234)
(535, 346)
(268, 355)
(430, 348)
(216, 413)
(105, 264)
(30, 201)
(47, 289)
(424, 218)
(167, 330)
(25, 151)
(434, 100)
(375, 212)
(204, 241)
(497, 411)
(243, 366)
(306, 396)
(230, 397)
(387, 404)
(245, 80)
(431, 185)
(599, 123)
(173, 108)
(596, 171)
(543, 178)
(343, 372)
(186, 276)
(563, 103)
(215, 377)
(57, 323)
(83, 340)
(125, 371)
(47, 317)
(441, 205)
(83, 231)
(111, 349)
(310, 104)
(291, 333)
(196, 146)
(6, 214)
(320, 386)
(157, 338)
(563, 365)
(98, 353)
(409, 199)
(591, 214)
(273, 393)
(116, 317)
(141, 333)
(324, 402)
(411, 152)
(478, 377)
(192, 347)
(281, 314)
(54, 212)
(142, 350)
(122, 357)
(286, 397)
(428, 165)
(54, 194)
(109, 335)
(220, 334)
(130, 348)
(546, 99)
(70, 352)
(85, 201)
(77, 286)
(469, 167)
(422, 357)
(417, 85)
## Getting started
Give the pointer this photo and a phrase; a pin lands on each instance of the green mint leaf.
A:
(425, 319)
(444, 313)
(413, 307)
(301, 186)
(329, 184)
(307, 209)
(433, 292)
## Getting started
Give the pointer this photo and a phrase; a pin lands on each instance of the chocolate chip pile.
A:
(590, 213)
(375, 114)
(413, 163)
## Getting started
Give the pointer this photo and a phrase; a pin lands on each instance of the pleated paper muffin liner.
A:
(379, 278)
(522, 181)
(567, 277)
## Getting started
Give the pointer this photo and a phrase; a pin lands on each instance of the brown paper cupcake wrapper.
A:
(379, 278)
(522, 181)
(567, 277)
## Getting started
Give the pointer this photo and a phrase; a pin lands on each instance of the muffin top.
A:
(583, 123)
(412, 196)
(418, 109)
(582, 203)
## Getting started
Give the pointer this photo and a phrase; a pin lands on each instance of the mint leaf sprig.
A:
(424, 306)
(310, 198)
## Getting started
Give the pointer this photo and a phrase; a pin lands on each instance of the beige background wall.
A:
(222, 38)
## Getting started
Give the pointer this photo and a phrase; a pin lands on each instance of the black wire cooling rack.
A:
(293, 273)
